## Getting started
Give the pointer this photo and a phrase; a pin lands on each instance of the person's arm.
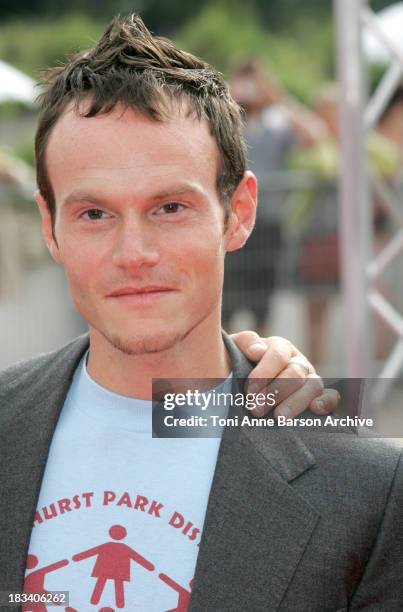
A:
(302, 388)
(308, 127)
(87, 553)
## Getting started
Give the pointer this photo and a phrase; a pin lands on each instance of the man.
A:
(142, 191)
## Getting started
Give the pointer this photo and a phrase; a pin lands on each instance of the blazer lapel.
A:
(256, 526)
(25, 437)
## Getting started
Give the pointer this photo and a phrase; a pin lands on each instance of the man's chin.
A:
(143, 344)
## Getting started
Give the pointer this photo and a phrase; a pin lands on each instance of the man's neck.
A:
(200, 355)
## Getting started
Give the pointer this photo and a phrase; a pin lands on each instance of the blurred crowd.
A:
(294, 152)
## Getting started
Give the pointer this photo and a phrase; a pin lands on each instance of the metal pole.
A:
(383, 93)
(355, 209)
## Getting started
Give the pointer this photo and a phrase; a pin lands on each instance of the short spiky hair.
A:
(132, 67)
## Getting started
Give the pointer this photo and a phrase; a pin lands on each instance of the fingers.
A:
(250, 344)
(289, 379)
(273, 361)
(272, 354)
(299, 400)
(297, 367)
(292, 395)
(326, 402)
(311, 394)
(296, 385)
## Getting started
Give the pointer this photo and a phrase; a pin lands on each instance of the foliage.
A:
(168, 15)
(377, 5)
(222, 36)
(25, 149)
(34, 45)
(226, 34)
(11, 109)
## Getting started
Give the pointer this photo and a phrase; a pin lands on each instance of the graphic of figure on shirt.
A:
(113, 563)
(35, 582)
(107, 609)
(184, 595)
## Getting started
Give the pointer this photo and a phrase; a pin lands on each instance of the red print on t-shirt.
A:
(184, 595)
(35, 581)
(107, 609)
(113, 563)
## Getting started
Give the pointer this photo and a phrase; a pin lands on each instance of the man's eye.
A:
(171, 207)
(94, 214)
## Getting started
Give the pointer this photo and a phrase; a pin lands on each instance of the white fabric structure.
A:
(390, 24)
(15, 85)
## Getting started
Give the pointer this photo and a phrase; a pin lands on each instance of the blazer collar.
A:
(287, 454)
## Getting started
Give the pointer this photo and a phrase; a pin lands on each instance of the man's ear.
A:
(243, 212)
(47, 227)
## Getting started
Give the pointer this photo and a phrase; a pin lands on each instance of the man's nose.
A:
(135, 246)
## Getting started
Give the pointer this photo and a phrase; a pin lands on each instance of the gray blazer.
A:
(296, 521)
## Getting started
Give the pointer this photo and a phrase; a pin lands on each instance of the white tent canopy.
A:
(15, 85)
(390, 21)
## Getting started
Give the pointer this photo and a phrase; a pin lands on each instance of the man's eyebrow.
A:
(178, 190)
(80, 196)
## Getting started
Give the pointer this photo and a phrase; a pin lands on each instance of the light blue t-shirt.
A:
(120, 514)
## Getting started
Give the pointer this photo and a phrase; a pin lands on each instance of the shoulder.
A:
(362, 465)
(324, 463)
(350, 446)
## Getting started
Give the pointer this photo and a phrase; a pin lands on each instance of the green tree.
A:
(225, 34)
(32, 46)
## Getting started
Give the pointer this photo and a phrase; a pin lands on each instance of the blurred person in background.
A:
(315, 215)
(390, 124)
(274, 123)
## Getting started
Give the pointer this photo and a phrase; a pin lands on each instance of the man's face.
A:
(139, 227)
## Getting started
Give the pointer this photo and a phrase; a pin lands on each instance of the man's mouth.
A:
(146, 294)
(139, 290)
